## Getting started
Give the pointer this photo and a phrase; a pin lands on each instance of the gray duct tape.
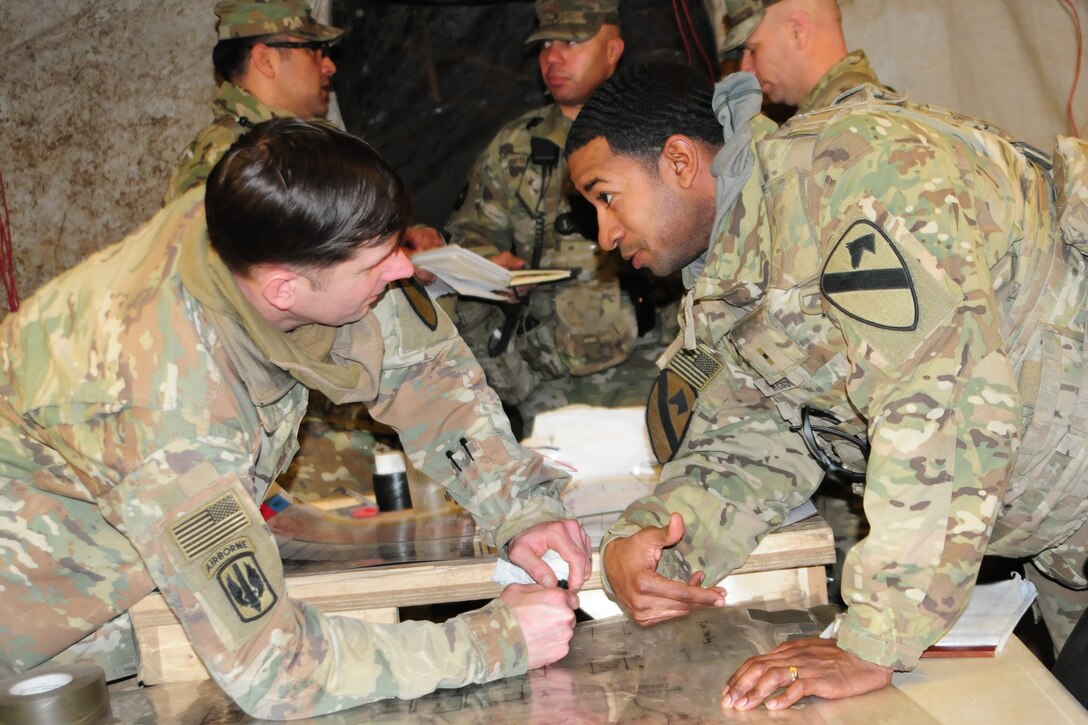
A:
(65, 695)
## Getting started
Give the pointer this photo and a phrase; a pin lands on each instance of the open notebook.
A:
(467, 273)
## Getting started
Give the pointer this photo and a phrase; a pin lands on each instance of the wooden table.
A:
(785, 571)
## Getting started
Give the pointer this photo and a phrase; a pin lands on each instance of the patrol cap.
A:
(573, 20)
(239, 19)
(744, 17)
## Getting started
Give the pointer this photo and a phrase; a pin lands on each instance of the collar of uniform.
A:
(555, 126)
(269, 361)
(239, 103)
(854, 64)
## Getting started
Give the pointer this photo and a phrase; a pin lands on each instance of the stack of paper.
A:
(988, 621)
(467, 273)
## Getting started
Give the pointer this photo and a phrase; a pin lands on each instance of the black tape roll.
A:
(391, 491)
(63, 695)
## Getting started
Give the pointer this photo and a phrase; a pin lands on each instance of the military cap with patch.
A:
(239, 19)
(744, 17)
(573, 20)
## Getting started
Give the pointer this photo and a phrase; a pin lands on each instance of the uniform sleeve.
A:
(928, 372)
(739, 471)
(452, 426)
(481, 222)
(207, 548)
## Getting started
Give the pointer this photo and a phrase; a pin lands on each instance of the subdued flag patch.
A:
(867, 278)
(210, 526)
(673, 396)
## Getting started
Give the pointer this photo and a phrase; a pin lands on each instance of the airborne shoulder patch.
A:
(420, 301)
(866, 278)
(246, 586)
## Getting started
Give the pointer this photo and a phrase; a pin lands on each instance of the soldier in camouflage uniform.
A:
(517, 212)
(796, 49)
(151, 395)
(260, 81)
(274, 60)
(878, 269)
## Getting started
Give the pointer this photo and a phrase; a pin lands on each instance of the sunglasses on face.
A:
(324, 47)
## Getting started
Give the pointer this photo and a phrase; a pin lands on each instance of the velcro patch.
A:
(246, 586)
(420, 301)
(671, 404)
(210, 526)
(866, 278)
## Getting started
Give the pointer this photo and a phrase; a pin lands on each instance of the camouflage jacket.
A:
(235, 111)
(139, 432)
(899, 267)
(850, 72)
(511, 204)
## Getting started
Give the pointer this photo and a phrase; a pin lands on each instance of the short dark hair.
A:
(639, 107)
(302, 194)
(231, 56)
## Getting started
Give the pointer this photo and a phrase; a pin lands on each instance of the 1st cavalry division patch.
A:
(672, 399)
(420, 301)
(866, 278)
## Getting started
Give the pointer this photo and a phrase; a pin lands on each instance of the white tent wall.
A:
(98, 97)
(1008, 61)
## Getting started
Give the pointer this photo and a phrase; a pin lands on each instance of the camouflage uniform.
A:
(235, 111)
(900, 267)
(574, 327)
(142, 468)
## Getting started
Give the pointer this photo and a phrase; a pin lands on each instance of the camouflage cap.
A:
(573, 20)
(238, 19)
(744, 17)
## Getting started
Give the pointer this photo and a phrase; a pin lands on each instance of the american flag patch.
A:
(210, 526)
(696, 367)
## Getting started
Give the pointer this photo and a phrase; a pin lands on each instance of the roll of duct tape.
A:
(63, 695)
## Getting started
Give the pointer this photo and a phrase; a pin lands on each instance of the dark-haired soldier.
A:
(150, 396)
(880, 272)
(274, 60)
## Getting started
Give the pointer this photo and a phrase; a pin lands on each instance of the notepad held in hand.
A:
(469, 274)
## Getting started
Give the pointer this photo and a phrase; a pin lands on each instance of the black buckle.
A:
(836, 472)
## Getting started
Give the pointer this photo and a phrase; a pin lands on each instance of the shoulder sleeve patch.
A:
(420, 301)
(866, 278)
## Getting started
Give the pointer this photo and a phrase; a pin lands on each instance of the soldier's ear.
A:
(680, 162)
(262, 59)
(799, 28)
(278, 286)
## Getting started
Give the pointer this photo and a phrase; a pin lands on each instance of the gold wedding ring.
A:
(793, 673)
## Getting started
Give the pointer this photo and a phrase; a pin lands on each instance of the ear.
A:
(264, 60)
(278, 286)
(680, 162)
(615, 50)
(799, 29)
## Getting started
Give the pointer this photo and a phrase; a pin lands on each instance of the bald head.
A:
(794, 45)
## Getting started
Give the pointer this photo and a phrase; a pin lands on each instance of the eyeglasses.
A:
(818, 439)
(324, 47)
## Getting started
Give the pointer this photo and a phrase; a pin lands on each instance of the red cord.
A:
(680, 28)
(1076, 71)
(7, 257)
(695, 37)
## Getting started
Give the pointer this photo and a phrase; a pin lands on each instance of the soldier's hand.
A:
(631, 567)
(546, 618)
(803, 667)
(420, 239)
(508, 260)
(566, 538)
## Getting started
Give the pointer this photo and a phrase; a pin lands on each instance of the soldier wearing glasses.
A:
(273, 59)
